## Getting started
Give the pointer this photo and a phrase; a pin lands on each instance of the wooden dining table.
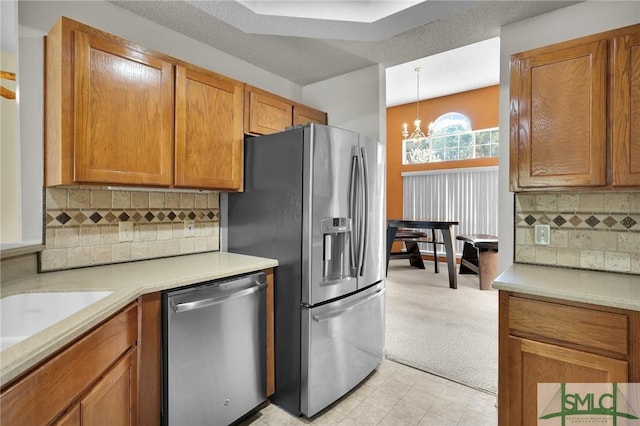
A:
(444, 226)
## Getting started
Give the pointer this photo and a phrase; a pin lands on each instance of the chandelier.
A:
(417, 143)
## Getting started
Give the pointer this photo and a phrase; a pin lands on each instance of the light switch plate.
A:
(542, 234)
(189, 228)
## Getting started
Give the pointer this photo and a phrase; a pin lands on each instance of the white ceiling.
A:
(354, 11)
(458, 70)
(308, 41)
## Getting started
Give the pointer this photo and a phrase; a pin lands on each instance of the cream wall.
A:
(9, 169)
(355, 101)
(10, 221)
(579, 20)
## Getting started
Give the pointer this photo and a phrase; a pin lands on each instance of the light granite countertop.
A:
(18, 249)
(127, 281)
(577, 285)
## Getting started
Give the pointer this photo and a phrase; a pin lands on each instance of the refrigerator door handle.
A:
(365, 210)
(337, 312)
(352, 212)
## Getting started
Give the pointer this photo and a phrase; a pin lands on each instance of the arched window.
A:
(451, 138)
(451, 122)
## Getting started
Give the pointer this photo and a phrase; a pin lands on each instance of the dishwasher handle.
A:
(202, 303)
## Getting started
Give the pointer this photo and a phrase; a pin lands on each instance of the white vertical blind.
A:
(468, 195)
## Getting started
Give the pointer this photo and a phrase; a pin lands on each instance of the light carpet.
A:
(446, 332)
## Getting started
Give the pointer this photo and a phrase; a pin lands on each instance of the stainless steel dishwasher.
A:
(214, 351)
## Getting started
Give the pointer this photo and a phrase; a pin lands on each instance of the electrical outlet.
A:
(125, 231)
(542, 234)
(189, 228)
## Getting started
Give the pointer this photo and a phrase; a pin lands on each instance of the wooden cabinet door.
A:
(209, 130)
(123, 114)
(626, 109)
(71, 418)
(534, 362)
(53, 386)
(303, 115)
(111, 402)
(268, 113)
(559, 116)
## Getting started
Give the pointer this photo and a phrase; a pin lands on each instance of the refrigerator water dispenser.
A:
(336, 232)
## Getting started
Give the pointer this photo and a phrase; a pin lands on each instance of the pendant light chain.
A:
(417, 70)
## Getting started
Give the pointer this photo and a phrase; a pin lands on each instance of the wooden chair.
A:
(480, 256)
(410, 238)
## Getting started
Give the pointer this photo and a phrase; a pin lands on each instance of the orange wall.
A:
(480, 106)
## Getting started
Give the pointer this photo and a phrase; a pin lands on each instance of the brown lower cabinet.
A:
(111, 401)
(111, 376)
(544, 340)
(96, 373)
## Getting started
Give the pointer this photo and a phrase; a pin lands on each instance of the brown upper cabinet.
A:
(209, 135)
(575, 120)
(119, 113)
(626, 108)
(303, 115)
(267, 113)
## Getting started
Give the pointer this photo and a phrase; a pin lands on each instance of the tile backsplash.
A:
(599, 231)
(82, 225)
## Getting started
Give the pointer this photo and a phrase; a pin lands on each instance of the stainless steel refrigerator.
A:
(314, 200)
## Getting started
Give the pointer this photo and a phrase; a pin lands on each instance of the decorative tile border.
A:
(621, 222)
(81, 225)
(595, 231)
(73, 217)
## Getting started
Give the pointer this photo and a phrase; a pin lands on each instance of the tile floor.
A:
(397, 395)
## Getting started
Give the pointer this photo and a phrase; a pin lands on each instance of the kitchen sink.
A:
(25, 314)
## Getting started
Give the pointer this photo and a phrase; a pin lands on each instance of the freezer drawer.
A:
(342, 343)
(214, 351)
